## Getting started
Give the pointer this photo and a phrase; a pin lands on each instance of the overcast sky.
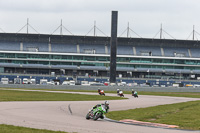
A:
(78, 16)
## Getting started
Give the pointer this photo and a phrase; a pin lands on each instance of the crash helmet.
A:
(106, 103)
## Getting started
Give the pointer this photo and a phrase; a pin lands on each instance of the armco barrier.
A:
(111, 88)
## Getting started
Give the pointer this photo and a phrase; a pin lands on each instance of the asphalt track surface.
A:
(69, 116)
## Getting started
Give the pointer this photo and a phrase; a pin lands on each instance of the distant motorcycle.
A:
(121, 94)
(135, 95)
(101, 92)
(96, 113)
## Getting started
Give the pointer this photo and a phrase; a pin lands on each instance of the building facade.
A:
(87, 55)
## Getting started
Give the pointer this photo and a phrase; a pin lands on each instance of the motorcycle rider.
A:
(135, 93)
(117, 91)
(120, 92)
(132, 92)
(99, 90)
(91, 114)
(105, 105)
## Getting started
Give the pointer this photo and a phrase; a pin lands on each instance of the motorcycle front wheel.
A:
(88, 116)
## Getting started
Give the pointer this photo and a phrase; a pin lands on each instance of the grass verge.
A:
(185, 115)
(174, 94)
(12, 95)
(16, 129)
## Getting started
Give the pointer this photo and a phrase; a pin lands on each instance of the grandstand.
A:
(90, 55)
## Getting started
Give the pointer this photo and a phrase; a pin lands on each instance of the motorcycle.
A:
(135, 95)
(96, 113)
(121, 94)
(101, 92)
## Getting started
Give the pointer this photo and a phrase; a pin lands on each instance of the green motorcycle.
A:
(96, 113)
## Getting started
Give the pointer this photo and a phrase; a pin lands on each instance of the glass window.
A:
(78, 57)
(89, 58)
(11, 55)
(69, 57)
(64, 57)
(44, 62)
(35, 56)
(43, 56)
(19, 62)
(171, 61)
(101, 58)
(122, 59)
(20, 55)
(32, 62)
(157, 60)
(56, 57)
(55, 63)
(66, 63)
(1, 54)
(179, 61)
(2, 61)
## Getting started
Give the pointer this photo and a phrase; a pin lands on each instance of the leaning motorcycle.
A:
(96, 113)
(102, 93)
(135, 95)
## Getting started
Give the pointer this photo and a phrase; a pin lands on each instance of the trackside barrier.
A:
(105, 88)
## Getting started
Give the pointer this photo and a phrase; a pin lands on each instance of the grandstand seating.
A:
(148, 51)
(185, 71)
(92, 48)
(64, 66)
(100, 49)
(195, 52)
(9, 64)
(35, 66)
(176, 52)
(42, 47)
(155, 70)
(172, 70)
(177, 70)
(143, 69)
(196, 71)
(124, 69)
(10, 46)
(93, 67)
(64, 48)
(124, 50)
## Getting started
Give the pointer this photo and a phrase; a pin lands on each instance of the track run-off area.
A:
(69, 116)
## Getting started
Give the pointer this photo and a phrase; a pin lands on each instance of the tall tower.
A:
(113, 46)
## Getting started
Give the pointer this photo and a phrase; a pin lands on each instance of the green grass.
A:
(185, 115)
(16, 129)
(174, 94)
(12, 95)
